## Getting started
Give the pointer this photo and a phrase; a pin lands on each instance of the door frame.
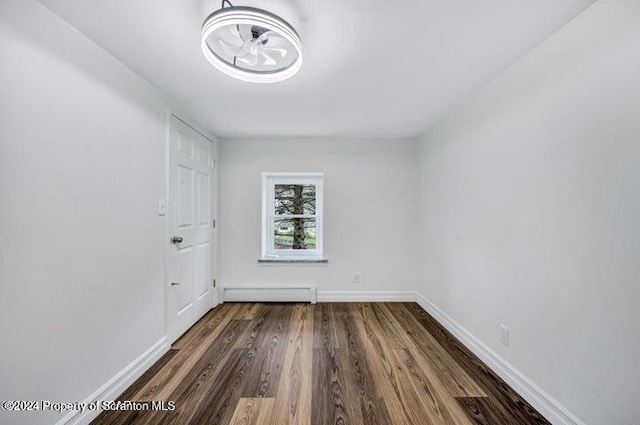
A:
(179, 115)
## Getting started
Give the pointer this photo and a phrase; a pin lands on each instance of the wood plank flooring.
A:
(324, 364)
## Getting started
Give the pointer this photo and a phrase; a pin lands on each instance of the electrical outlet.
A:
(356, 277)
(504, 335)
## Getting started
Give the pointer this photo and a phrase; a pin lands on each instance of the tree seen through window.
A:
(295, 216)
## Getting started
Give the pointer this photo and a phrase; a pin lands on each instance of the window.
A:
(292, 215)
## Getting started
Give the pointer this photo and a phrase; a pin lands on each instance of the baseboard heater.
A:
(269, 293)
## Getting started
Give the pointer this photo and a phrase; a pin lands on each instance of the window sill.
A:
(293, 261)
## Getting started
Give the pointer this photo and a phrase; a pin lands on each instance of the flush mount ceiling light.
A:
(251, 44)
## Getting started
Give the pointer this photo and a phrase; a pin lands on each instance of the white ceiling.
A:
(371, 68)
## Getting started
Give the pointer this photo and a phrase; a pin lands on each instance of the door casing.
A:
(171, 337)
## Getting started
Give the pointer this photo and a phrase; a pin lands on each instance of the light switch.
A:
(162, 206)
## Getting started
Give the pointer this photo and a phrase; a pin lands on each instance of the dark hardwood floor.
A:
(324, 364)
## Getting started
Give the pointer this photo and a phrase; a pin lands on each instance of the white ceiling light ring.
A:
(292, 36)
(251, 13)
(263, 37)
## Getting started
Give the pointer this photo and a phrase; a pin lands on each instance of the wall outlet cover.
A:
(504, 335)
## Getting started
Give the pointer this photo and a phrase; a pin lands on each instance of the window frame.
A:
(269, 181)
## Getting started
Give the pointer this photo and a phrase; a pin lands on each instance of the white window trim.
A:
(269, 180)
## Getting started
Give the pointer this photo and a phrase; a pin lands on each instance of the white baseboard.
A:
(112, 389)
(550, 408)
(365, 296)
(269, 293)
(540, 400)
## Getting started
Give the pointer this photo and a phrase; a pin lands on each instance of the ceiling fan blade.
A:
(235, 30)
(249, 59)
(264, 37)
(229, 49)
(268, 60)
(280, 50)
(244, 50)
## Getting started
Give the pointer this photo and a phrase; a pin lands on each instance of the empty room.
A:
(299, 212)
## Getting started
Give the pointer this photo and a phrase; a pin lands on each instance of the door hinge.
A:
(214, 283)
(214, 223)
(213, 163)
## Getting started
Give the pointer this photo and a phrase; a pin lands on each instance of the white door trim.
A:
(168, 231)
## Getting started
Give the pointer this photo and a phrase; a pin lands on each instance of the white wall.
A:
(530, 214)
(370, 211)
(82, 165)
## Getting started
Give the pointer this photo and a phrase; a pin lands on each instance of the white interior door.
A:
(191, 250)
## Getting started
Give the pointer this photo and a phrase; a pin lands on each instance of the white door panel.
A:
(185, 143)
(184, 197)
(204, 199)
(203, 270)
(191, 176)
(183, 291)
(204, 154)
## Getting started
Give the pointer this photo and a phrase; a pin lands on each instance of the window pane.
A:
(294, 233)
(295, 199)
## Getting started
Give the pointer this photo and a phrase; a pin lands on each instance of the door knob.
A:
(176, 239)
(175, 283)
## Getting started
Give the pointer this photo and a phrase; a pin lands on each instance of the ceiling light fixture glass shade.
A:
(251, 44)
